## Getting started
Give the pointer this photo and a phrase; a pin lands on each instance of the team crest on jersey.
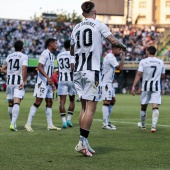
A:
(39, 84)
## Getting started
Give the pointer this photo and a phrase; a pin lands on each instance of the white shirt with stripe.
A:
(47, 60)
(14, 62)
(87, 40)
(64, 60)
(152, 68)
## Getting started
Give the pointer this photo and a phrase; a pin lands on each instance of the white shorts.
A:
(108, 91)
(150, 97)
(86, 84)
(42, 90)
(13, 91)
(66, 88)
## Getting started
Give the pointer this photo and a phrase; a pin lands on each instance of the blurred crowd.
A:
(34, 33)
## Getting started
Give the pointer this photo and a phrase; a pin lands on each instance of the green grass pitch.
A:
(126, 148)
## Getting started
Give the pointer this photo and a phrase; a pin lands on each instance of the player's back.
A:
(152, 70)
(15, 61)
(64, 60)
(87, 37)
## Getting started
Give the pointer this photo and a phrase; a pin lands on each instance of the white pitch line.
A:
(100, 120)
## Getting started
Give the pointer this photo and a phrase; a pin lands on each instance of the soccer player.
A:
(66, 86)
(151, 70)
(44, 87)
(86, 45)
(110, 64)
(15, 66)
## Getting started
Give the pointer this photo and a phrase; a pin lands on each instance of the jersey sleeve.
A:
(104, 30)
(25, 61)
(43, 58)
(140, 66)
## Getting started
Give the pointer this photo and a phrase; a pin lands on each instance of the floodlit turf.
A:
(126, 148)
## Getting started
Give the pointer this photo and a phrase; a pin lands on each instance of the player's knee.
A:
(37, 105)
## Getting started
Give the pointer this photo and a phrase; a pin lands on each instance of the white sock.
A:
(155, 116)
(70, 114)
(110, 111)
(49, 116)
(105, 111)
(63, 117)
(15, 113)
(143, 117)
(32, 112)
(10, 112)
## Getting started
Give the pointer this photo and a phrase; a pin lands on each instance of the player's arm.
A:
(4, 68)
(41, 70)
(72, 50)
(24, 76)
(163, 76)
(137, 78)
(120, 66)
(115, 41)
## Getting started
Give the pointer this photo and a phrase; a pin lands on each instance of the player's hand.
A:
(49, 81)
(123, 54)
(53, 87)
(21, 85)
(133, 90)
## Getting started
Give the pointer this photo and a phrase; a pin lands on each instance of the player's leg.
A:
(10, 106)
(155, 116)
(110, 112)
(15, 113)
(89, 82)
(143, 116)
(32, 113)
(48, 111)
(18, 95)
(63, 110)
(155, 101)
(144, 100)
(70, 110)
(105, 112)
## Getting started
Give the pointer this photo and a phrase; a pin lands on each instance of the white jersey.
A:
(108, 70)
(152, 68)
(47, 60)
(87, 40)
(14, 62)
(64, 60)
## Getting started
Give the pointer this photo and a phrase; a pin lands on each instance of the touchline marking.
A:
(100, 120)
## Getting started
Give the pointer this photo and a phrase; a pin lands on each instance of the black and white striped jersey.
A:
(152, 68)
(14, 62)
(64, 60)
(47, 60)
(87, 40)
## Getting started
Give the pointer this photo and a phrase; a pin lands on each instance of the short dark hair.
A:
(18, 45)
(67, 44)
(116, 46)
(87, 6)
(48, 41)
(152, 50)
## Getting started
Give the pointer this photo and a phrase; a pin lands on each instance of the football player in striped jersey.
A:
(15, 66)
(86, 45)
(44, 87)
(151, 70)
